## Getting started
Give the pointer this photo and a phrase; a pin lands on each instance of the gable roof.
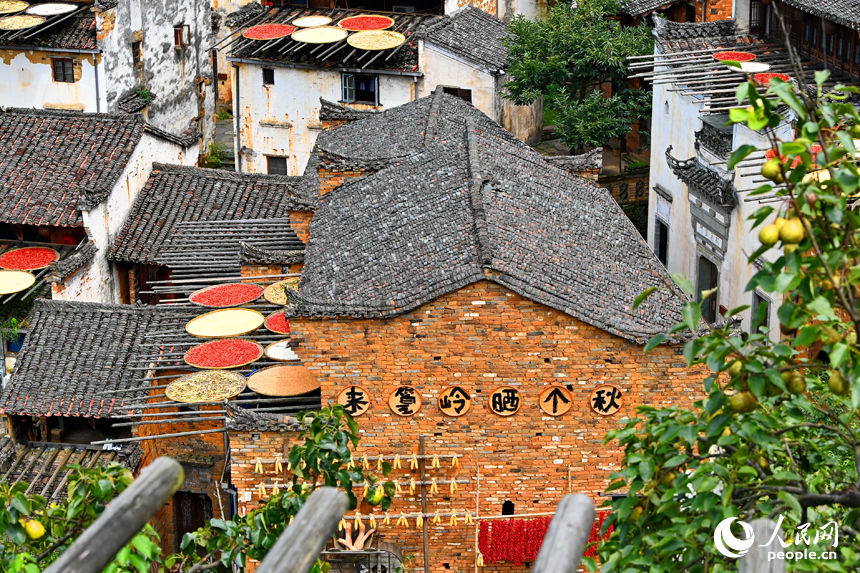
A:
(340, 55)
(51, 161)
(475, 206)
(73, 351)
(473, 35)
(175, 194)
(844, 12)
(642, 7)
(74, 31)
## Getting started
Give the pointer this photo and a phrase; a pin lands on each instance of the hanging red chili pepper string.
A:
(519, 540)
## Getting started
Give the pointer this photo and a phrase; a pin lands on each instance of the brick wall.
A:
(479, 337)
(300, 221)
(202, 457)
(331, 179)
(717, 10)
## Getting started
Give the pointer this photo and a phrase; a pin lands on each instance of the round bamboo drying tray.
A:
(52, 9)
(271, 294)
(20, 22)
(374, 40)
(201, 386)
(270, 349)
(15, 281)
(320, 35)
(353, 23)
(256, 288)
(225, 323)
(216, 343)
(266, 32)
(283, 380)
(311, 21)
(56, 257)
(269, 320)
(12, 6)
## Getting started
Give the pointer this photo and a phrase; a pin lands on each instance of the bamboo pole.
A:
(158, 437)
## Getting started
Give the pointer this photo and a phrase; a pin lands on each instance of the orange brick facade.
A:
(479, 337)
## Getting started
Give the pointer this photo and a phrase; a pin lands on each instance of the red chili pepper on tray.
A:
(227, 295)
(223, 353)
(27, 259)
(277, 323)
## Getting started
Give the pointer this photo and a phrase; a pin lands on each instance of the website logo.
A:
(727, 543)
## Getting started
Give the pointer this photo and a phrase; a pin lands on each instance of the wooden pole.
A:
(756, 560)
(422, 465)
(301, 543)
(123, 518)
(567, 535)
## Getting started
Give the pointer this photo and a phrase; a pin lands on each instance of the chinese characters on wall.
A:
(455, 401)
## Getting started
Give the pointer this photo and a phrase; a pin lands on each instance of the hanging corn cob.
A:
(413, 462)
(436, 518)
(373, 521)
(379, 463)
(454, 461)
(453, 487)
(411, 486)
(435, 462)
(262, 491)
(278, 466)
(365, 463)
(419, 521)
(258, 466)
(397, 462)
(402, 520)
(387, 520)
(358, 522)
(433, 487)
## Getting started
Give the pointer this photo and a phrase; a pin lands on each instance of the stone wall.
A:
(479, 337)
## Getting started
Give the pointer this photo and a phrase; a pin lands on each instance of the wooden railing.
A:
(303, 541)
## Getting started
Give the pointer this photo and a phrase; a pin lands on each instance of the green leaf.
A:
(676, 461)
(741, 152)
(143, 545)
(821, 77)
(640, 298)
(789, 499)
(847, 142)
(655, 341)
(692, 313)
(139, 563)
(683, 283)
(646, 469)
(839, 354)
(21, 503)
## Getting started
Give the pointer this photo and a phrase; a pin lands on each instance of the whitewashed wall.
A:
(168, 73)
(675, 122)
(97, 282)
(27, 80)
(283, 119)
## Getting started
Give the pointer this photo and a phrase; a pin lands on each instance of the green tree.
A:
(777, 435)
(36, 533)
(567, 58)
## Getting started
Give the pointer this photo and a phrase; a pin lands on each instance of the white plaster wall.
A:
(172, 75)
(225, 7)
(96, 282)
(293, 104)
(677, 128)
(741, 14)
(27, 80)
(503, 9)
(441, 67)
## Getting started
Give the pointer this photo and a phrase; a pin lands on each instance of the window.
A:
(64, 70)
(756, 19)
(666, 107)
(661, 241)
(277, 165)
(461, 93)
(508, 508)
(136, 53)
(708, 280)
(268, 76)
(181, 36)
(359, 88)
(758, 300)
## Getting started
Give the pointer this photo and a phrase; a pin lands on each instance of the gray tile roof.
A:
(46, 466)
(72, 32)
(845, 12)
(642, 7)
(64, 268)
(336, 111)
(704, 179)
(470, 203)
(49, 160)
(473, 35)
(668, 31)
(175, 194)
(73, 351)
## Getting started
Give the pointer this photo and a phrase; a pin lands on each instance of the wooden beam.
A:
(123, 518)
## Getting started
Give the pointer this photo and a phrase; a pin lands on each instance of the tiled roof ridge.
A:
(692, 171)
(642, 7)
(435, 105)
(334, 110)
(223, 173)
(63, 269)
(667, 30)
(244, 14)
(839, 11)
(251, 255)
(33, 111)
(76, 305)
(477, 182)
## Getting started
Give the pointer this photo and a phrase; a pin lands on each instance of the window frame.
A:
(137, 54)
(66, 73)
(657, 244)
(181, 36)
(763, 298)
(277, 159)
(710, 306)
(268, 71)
(348, 89)
(459, 92)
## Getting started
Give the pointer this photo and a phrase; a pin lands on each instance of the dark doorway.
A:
(708, 279)
(661, 241)
(191, 512)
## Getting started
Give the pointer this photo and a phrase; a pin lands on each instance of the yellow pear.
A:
(773, 170)
(792, 231)
(768, 235)
(34, 529)
(743, 402)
